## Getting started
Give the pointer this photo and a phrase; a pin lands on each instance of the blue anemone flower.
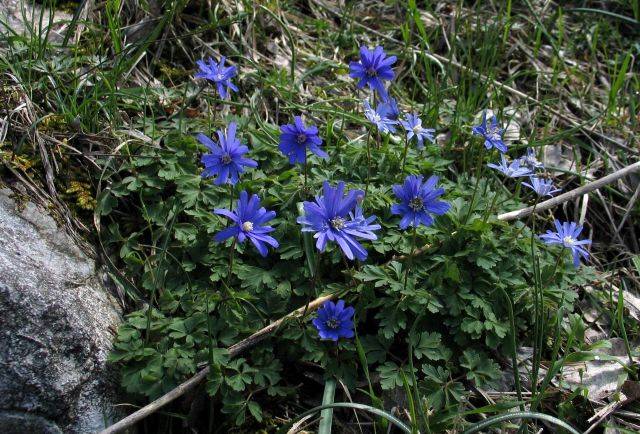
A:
(226, 160)
(336, 217)
(492, 133)
(393, 112)
(296, 138)
(374, 67)
(334, 321)
(380, 117)
(512, 170)
(218, 74)
(566, 235)
(413, 125)
(418, 201)
(543, 187)
(530, 160)
(249, 223)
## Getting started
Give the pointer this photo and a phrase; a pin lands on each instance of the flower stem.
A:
(314, 280)
(493, 201)
(517, 193)
(366, 187)
(475, 189)
(316, 274)
(209, 329)
(404, 155)
(533, 211)
(304, 186)
(231, 255)
(514, 352)
(555, 268)
(410, 258)
(538, 313)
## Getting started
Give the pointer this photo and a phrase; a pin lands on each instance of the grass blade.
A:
(520, 415)
(326, 415)
(362, 407)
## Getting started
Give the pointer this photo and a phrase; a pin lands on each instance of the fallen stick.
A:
(192, 382)
(266, 331)
(555, 201)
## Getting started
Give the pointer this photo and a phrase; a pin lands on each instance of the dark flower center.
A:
(493, 133)
(338, 223)
(301, 138)
(416, 204)
(531, 160)
(371, 72)
(333, 323)
(225, 159)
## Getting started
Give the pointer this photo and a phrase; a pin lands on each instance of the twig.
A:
(547, 204)
(603, 413)
(183, 388)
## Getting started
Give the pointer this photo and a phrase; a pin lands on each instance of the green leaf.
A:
(255, 410)
(186, 233)
(392, 320)
(105, 203)
(429, 345)
(391, 377)
(452, 271)
(214, 380)
(375, 349)
(283, 289)
(188, 189)
(255, 278)
(486, 262)
(480, 369)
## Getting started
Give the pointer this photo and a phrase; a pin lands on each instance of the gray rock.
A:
(20, 423)
(57, 324)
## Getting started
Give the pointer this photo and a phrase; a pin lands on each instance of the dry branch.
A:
(547, 204)
(192, 382)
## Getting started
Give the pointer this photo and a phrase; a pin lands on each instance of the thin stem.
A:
(314, 279)
(475, 189)
(517, 192)
(531, 215)
(554, 355)
(406, 150)
(231, 255)
(514, 356)
(366, 187)
(493, 201)
(316, 274)
(410, 259)
(304, 187)
(209, 329)
(538, 314)
(555, 268)
(233, 244)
